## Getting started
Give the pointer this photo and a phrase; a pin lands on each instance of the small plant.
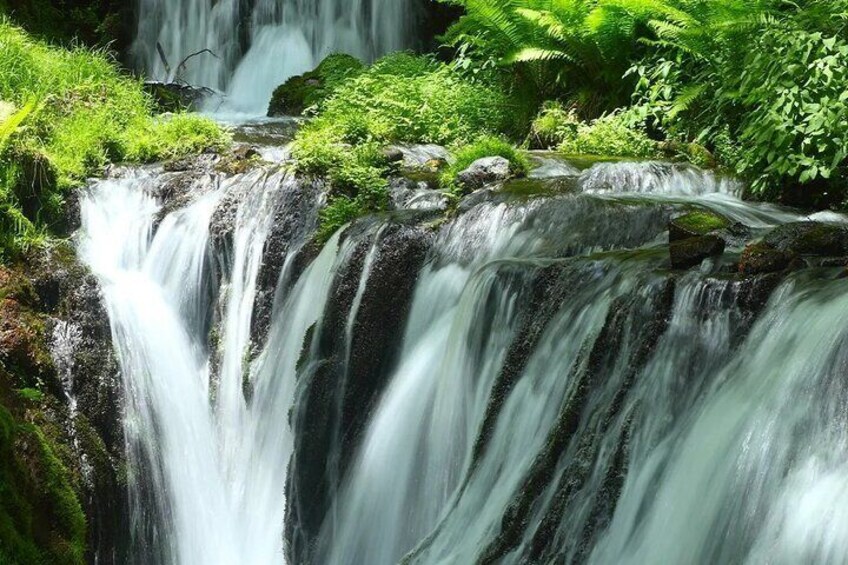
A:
(401, 98)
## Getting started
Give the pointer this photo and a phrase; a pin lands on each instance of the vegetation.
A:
(401, 98)
(760, 83)
(65, 114)
(309, 90)
(758, 87)
(93, 22)
(485, 146)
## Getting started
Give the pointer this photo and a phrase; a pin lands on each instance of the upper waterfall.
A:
(254, 45)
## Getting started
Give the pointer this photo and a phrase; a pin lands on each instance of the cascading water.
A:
(525, 383)
(254, 46)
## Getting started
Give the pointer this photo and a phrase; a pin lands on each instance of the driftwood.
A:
(163, 58)
(181, 68)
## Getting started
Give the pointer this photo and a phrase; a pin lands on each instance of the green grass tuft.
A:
(64, 115)
(484, 146)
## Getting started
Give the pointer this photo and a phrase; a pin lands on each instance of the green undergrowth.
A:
(402, 98)
(64, 115)
(618, 134)
(759, 87)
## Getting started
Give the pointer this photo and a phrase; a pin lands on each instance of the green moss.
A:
(702, 222)
(312, 88)
(41, 519)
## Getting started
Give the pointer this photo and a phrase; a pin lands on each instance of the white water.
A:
(733, 441)
(218, 469)
(257, 48)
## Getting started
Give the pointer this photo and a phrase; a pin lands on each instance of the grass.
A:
(66, 114)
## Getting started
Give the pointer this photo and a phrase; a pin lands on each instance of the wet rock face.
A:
(562, 450)
(55, 344)
(295, 221)
(408, 194)
(758, 258)
(691, 252)
(809, 238)
(341, 391)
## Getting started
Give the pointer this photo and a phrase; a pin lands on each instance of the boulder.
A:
(815, 239)
(423, 158)
(392, 154)
(485, 171)
(691, 252)
(783, 247)
(759, 258)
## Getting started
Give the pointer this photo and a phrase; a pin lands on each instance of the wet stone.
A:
(692, 252)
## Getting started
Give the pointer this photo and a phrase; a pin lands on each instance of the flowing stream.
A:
(528, 382)
(254, 46)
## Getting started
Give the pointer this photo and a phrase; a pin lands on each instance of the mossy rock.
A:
(693, 224)
(783, 247)
(309, 89)
(814, 239)
(41, 518)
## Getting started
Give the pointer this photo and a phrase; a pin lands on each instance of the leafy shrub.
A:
(613, 135)
(553, 125)
(72, 113)
(763, 83)
(796, 94)
(414, 99)
(484, 146)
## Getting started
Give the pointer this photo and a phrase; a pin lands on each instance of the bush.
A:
(485, 146)
(68, 114)
(796, 126)
(552, 126)
(405, 98)
(613, 135)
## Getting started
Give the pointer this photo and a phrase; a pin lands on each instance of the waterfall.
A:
(527, 382)
(255, 45)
